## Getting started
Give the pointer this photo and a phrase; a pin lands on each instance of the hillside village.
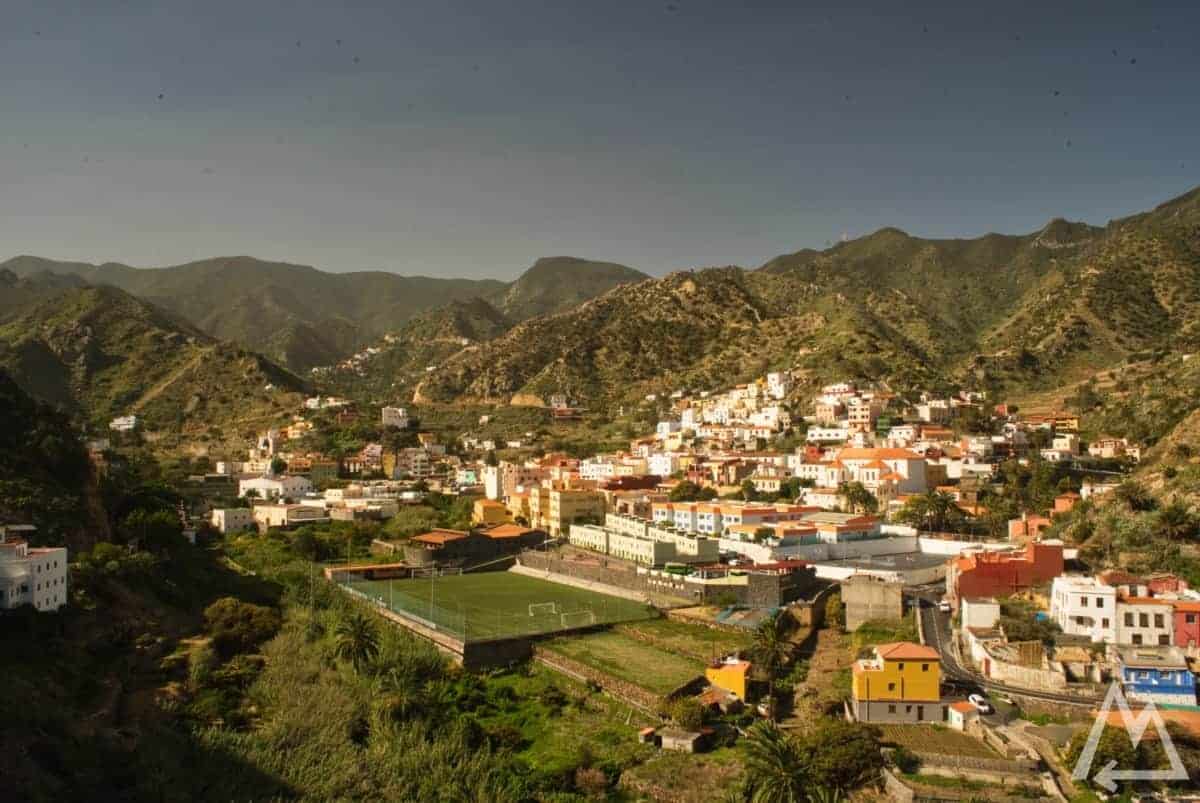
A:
(876, 533)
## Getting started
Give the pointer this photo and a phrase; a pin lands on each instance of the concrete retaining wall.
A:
(527, 566)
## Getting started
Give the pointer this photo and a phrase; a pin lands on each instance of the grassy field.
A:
(629, 659)
(936, 739)
(690, 641)
(477, 607)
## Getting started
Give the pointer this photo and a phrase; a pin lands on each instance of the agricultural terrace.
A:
(689, 640)
(495, 605)
(631, 660)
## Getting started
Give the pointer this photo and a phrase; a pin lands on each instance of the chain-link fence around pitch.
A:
(496, 605)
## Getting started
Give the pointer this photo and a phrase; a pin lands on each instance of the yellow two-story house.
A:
(901, 682)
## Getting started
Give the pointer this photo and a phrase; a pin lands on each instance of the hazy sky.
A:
(459, 138)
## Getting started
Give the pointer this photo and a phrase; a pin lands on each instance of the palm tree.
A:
(771, 650)
(858, 498)
(776, 770)
(357, 641)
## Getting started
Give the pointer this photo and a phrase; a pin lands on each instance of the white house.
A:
(30, 575)
(124, 423)
(394, 417)
(979, 612)
(231, 519)
(1083, 606)
(285, 485)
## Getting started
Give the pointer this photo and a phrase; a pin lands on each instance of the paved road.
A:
(936, 625)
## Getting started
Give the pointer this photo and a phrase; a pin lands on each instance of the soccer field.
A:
(489, 605)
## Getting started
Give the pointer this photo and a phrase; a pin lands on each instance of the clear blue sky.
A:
(457, 138)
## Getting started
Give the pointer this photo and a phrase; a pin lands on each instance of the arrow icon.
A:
(1135, 727)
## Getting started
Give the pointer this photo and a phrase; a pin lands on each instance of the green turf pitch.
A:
(490, 605)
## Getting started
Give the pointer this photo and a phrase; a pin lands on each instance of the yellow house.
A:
(489, 512)
(732, 676)
(900, 683)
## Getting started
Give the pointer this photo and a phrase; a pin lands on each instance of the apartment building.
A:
(34, 576)
(232, 519)
(1083, 606)
(1145, 620)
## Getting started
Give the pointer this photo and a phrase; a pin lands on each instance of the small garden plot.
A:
(936, 739)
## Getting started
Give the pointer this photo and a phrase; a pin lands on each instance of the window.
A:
(1164, 640)
(1137, 639)
(1158, 620)
(1143, 620)
(1099, 602)
(1083, 601)
(891, 709)
(901, 666)
(1190, 618)
(1143, 675)
(1104, 623)
(924, 667)
(1129, 620)
(891, 687)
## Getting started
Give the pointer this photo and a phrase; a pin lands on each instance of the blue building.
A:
(1156, 674)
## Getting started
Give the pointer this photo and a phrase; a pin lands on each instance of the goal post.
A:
(571, 619)
(543, 608)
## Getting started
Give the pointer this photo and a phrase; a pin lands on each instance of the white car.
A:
(981, 704)
(944, 606)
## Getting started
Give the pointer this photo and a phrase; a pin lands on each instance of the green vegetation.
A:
(691, 641)
(884, 631)
(43, 468)
(833, 755)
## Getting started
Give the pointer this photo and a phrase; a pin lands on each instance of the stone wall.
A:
(895, 788)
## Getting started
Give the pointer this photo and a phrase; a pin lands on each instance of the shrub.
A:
(237, 626)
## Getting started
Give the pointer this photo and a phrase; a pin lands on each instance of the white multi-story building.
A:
(285, 485)
(394, 417)
(779, 384)
(31, 575)
(1145, 620)
(1083, 606)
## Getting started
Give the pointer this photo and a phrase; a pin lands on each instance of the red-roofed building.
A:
(999, 574)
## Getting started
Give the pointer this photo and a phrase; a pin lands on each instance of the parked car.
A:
(981, 704)
(944, 606)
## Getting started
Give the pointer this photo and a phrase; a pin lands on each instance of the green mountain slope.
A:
(1009, 313)
(99, 352)
(555, 284)
(303, 317)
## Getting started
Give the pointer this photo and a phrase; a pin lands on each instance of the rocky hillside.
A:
(98, 352)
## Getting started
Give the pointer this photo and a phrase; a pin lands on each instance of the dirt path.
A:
(829, 654)
(156, 391)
